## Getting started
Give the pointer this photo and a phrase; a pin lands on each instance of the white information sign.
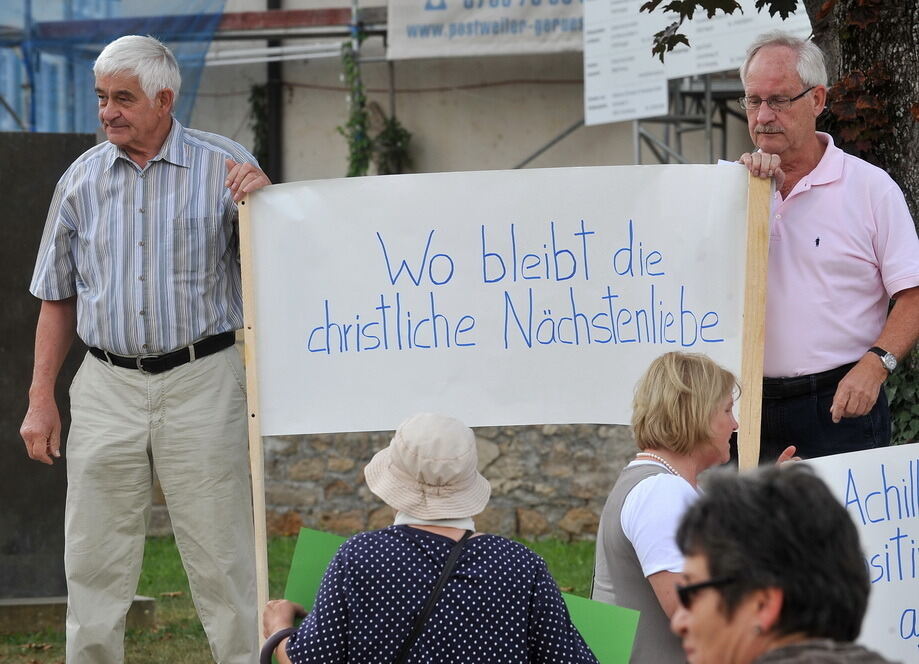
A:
(621, 79)
(452, 28)
(502, 297)
(880, 490)
(624, 81)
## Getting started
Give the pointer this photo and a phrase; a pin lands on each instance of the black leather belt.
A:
(799, 386)
(159, 363)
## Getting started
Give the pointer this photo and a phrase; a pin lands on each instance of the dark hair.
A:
(780, 527)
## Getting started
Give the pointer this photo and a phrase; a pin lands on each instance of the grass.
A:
(179, 638)
(571, 563)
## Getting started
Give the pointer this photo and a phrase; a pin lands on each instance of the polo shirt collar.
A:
(172, 150)
(829, 168)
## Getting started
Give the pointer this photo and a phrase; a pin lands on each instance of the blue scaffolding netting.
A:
(47, 49)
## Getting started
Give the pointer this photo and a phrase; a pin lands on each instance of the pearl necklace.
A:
(661, 460)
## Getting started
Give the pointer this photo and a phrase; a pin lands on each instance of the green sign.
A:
(608, 630)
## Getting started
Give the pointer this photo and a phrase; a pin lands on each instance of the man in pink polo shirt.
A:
(842, 245)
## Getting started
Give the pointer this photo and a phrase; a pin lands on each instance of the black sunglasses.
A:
(687, 593)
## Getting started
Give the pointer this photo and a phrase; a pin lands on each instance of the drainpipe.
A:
(275, 111)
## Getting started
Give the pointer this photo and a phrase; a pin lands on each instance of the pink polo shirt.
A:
(840, 246)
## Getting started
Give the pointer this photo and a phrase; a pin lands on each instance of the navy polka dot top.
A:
(500, 604)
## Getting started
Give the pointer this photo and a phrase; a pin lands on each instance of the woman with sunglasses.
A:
(767, 581)
(682, 420)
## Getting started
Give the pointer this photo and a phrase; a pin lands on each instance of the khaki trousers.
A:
(189, 424)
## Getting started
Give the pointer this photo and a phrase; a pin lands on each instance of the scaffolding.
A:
(47, 50)
(699, 103)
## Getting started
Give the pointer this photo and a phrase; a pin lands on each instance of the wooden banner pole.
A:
(256, 455)
(759, 198)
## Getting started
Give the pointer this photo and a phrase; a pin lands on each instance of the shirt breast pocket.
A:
(196, 245)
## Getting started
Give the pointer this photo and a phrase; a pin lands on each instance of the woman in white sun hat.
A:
(429, 588)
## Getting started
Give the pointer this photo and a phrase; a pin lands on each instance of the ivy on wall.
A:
(390, 152)
(355, 130)
(372, 136)
(388, 149)
(903, 393)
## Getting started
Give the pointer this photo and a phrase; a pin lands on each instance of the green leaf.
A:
(712, 6)
(910, 434)
(667, 39)
(782, 7)
(683, 8)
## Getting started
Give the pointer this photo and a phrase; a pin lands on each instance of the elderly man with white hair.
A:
(139, 258)
(842, 245)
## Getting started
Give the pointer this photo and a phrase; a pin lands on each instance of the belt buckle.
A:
(139, 362)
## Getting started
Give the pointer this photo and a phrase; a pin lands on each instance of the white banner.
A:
(880, 490)
(453, 28)
(502, 297)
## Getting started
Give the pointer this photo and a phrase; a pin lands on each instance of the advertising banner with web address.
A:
(453, 28)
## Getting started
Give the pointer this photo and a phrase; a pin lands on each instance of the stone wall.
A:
(549, 480)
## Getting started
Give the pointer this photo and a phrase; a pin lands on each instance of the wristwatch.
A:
(888, 359)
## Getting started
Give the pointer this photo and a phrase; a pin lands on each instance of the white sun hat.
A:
(429, 470)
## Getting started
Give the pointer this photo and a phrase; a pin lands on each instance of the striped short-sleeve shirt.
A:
(151, 254)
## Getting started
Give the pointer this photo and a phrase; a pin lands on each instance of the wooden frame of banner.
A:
(256, 455)
(759, 197)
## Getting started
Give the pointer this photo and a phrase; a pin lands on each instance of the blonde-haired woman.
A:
(682, 419)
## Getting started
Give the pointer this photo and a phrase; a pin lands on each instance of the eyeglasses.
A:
(687, 593)
(775, 102)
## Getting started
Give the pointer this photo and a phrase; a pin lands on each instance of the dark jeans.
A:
(803, 420)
